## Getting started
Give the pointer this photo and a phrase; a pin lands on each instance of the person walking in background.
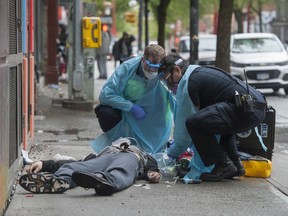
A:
(62, 52)
(125, 45)
(101, 54)
(116, 53)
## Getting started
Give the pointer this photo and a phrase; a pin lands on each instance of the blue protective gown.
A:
(185, 108)
(125, 87)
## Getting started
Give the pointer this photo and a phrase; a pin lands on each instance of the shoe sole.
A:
(226, 175)
(238, 173)
(90, 181)
(39, 183)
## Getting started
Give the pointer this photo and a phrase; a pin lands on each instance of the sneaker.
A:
(96, 181)
(43, 183)
(219, 172)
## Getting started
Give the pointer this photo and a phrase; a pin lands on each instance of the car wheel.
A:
(286, 91)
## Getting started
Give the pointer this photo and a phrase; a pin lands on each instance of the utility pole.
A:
(194, 40)
(52, 26)
(77, 96)
(146, 23)
(113, 25)
(140, 25)
(78, 67)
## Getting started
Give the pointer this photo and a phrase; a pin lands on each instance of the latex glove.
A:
(172, 152)
(138, 112)
(170, 143)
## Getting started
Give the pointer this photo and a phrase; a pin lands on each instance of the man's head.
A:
(173, 67)
(153, 54)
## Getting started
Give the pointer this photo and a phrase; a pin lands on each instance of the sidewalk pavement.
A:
(68, 132)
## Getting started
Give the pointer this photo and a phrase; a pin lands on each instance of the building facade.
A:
(17, 91)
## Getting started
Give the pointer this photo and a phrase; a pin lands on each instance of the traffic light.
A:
(91, 28)
(105, 27)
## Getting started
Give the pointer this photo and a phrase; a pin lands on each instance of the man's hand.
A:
(35, 167)
(154, 177)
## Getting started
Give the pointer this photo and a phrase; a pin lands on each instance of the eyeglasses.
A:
(150, 64)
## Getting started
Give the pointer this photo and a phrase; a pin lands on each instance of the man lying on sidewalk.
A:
(115, 168)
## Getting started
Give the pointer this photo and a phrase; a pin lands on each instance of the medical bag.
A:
(257, 166)
(249, 142)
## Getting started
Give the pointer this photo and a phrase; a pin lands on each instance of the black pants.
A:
(223, 119)
(108, 117)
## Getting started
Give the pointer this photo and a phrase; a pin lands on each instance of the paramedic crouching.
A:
(134, 103)
(211, 102)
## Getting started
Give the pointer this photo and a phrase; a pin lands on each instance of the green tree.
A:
(257, 7)
(168, 11)
(238, 13)
(161, 20)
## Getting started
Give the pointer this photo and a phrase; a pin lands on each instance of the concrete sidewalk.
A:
(68, 132)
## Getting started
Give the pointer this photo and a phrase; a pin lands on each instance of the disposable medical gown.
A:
(125, 88)
(185, 108)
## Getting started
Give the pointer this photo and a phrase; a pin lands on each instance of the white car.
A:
(206, 48)
(263, 57)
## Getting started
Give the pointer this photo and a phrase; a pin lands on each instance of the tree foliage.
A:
(244, 8)
(257, 7)
(161, 18)
(238, 13)
(167, 12)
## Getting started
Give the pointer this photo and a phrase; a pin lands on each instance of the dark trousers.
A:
(108, 117)
(223, 119)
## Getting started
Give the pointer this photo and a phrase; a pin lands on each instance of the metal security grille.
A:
(19, 18)
(13, 127)
(15, 33)
(29, 66)
(12, 27)
(20, 104)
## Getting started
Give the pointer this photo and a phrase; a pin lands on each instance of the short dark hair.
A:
(171, 60)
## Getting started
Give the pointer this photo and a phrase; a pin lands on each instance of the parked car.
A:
(206, 48)
(263, 57)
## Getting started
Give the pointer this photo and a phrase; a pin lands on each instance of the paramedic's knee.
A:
(108, 117)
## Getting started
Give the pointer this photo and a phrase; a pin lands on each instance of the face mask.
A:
(150, 75)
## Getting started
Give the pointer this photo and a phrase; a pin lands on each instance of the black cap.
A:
(169, 61)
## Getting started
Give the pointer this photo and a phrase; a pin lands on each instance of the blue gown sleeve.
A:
(112, 91)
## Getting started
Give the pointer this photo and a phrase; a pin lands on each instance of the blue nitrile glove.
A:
(172, 152)
(170, 143)
(138, 112)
